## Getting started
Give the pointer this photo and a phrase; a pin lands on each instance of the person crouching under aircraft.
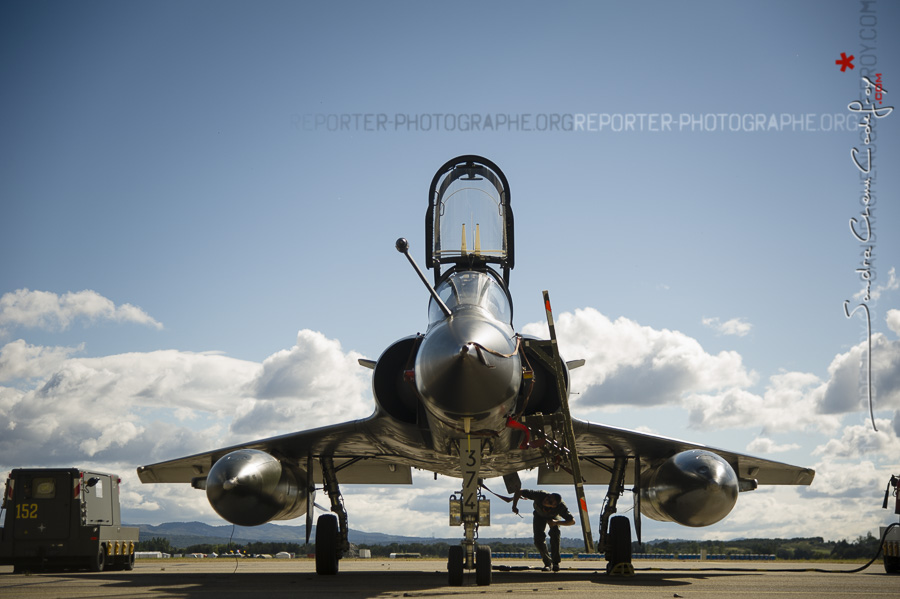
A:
(549, 510)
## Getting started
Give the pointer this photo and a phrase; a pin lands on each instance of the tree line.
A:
(163, 545)
(807, 548)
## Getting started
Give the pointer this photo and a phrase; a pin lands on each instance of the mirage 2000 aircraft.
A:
(472, 399)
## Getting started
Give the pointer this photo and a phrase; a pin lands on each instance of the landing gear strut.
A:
(331, 529)
(469, 510)
(615, 532)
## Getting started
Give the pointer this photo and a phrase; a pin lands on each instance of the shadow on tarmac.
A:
(351, 585)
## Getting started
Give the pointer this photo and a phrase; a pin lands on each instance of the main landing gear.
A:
(615, 531)
(331, 529)
(469, 510)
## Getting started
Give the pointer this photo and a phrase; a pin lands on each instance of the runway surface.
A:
(225, 578)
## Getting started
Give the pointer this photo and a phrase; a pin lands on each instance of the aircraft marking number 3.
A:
(470, 461)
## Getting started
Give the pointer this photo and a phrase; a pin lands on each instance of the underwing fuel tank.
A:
(692, 488)
(250, 487)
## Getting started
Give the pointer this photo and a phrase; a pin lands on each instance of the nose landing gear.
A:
(469, 510)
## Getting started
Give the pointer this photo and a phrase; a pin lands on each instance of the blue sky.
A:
(173, 216)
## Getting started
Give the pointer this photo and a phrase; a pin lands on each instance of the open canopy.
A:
(469, 221)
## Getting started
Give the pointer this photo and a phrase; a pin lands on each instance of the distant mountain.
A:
(184, 534)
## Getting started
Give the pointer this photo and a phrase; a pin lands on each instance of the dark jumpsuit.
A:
(542, 515)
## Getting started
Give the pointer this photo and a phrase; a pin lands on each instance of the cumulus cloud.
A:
(766, 445)
(787, 404)
(124, 410)
(119, 411)
(797, 401)
(154, 504)
(20, 360)
(771, 512)
(859, 479)
(627, 363)
(892, 284)
(735, 326)
(893, 321)
(312, 384)
(861, 441)
(163, 404)
(635, 365)
(847, 388)
(46, 310)
(119, 406)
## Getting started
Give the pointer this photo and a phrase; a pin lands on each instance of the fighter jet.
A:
(472, 399)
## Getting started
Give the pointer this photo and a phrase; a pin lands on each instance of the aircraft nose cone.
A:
(461, 371)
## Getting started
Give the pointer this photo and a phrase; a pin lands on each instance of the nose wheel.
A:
(469, 510)
(483, 565)
(456, 565)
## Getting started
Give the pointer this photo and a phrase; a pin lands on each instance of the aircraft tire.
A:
(620, 537)
(455, 560)
(327, 545)
(483, 565)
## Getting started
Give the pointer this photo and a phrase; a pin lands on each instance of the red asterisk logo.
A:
(845, 61)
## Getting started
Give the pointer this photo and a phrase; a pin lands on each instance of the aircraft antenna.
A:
(402, 246)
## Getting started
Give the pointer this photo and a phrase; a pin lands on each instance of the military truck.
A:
(64, 518)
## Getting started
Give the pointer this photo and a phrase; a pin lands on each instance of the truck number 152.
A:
(26, 511)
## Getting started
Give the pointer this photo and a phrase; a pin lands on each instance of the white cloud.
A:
(120, 407)
(735, 326)
(312, 384)
(46, 310)
(847, 389)
(116, 412)
(765, 445)
(892, 284)
(630, 364)
(862, 441)
(627, 363)
(893, 321)
(117, 435)
(797, 401)
(787, 404)
(19, 360)
(125, 410)
(776, 512)
(857, 479)
(158, 405)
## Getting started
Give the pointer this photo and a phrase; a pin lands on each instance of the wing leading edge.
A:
(599, 444)
(359, 455)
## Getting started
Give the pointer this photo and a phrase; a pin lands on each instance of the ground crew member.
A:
(549, 510)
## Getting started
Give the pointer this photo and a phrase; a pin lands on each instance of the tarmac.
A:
(383, 578)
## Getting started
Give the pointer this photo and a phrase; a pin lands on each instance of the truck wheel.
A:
(129, 562)
(98, 562)
(892, 564)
